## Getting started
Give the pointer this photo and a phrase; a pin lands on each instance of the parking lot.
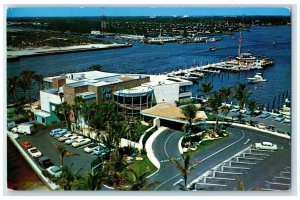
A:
(248, 170)
(46, 145)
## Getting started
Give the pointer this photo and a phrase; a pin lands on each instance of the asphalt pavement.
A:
(219, 151)
(46, 144)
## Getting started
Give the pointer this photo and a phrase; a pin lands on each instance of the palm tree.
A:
(119, 129)
(68, 178)
(215, 103)
(225, 109)
(96, 67)
(185, 168)
(63, 152)
(27, 76)
(40, 80)
(137, 181)
(242, 95)
(92, 182)
(63, 106)
(11, 87)
(206, 89)
(226, 93)
(190, 112)
(21, 83)
(252, 105)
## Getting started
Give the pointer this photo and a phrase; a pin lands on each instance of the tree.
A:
(63, 152)
(27, 77)
(137, 181)
(11, 87)
(215, 103)
(225, 109)
(226, 94)
(185, 168)
(96, 67)
(242, 95)
(68, 178)
(92, 182)
(190, 112)
(40, 80)
(252, 105)
(65, 109)
(206, 89)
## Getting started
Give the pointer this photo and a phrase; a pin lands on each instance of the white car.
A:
(80, 142)
(34, 152)
(266, 146)
(90, 148)
(73, 139)
(55, 171)
(261, 126)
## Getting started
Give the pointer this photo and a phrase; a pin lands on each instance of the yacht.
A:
(212, 48)
(256, 78)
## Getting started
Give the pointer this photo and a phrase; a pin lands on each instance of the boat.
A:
(212, 48)
(257, 78)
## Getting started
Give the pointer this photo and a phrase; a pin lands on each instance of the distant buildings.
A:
(132, 92)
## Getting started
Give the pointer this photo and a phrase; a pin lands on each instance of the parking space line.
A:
(268, 189)
(221, 178)
(257, 154)
(237, 173)
(276, 183)
(262, 150)
(177, 182)
(237, 167)
(249, 158)
(246, 163)
(212, 184)
(281, 177)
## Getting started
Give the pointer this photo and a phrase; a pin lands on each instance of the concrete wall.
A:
(46, 100)
(70, 92)
(166, 93)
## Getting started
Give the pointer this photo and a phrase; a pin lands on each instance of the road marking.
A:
(212, 184)
(276, 183)
(261, 150)
(257, 154)
(163, 161)
(221, 178)
(237, 173)
(205, 159)
(268, 189)
(237, 167)
(249, 158)
(247, 141)
(83, 146)
(165, 145)
(281, 177)
(246, 163)
(177, 182)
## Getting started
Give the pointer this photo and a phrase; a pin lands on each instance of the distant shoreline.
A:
(17, 54)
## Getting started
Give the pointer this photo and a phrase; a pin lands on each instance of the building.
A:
(132, 92)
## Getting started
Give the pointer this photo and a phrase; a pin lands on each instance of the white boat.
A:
(257, 78)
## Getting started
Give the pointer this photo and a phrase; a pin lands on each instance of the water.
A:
(155, 59)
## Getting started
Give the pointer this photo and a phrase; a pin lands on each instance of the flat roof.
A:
(42, 113)
(95, 74)
(139, 91)
(171, 112)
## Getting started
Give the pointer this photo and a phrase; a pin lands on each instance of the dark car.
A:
(45, 162)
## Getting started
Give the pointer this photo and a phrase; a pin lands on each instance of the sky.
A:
(143, 11)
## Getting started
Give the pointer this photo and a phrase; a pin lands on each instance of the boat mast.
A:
(240, 44)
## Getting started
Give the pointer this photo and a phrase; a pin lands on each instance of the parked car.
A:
(101, 150)
(61, 134)
(235, 109)
(90, 148)
(25, 128)
(280, 118)
(55, 171)
(248, 112)
(34, 152)
(26, 144)
(58, 130)
(45, 162)
(266, 146)
(287, 119)
(80, 142)
(261, 126)
(256, 113)
(271, 128)
(73, 139)
(66, 137)
(264, 115)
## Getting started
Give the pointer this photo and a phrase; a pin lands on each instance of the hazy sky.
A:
(141, 11)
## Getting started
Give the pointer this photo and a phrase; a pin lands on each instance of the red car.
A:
(26, 144)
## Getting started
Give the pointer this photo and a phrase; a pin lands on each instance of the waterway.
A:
(155, 59)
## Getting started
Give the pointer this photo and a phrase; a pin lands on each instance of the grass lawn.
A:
(142, 165)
